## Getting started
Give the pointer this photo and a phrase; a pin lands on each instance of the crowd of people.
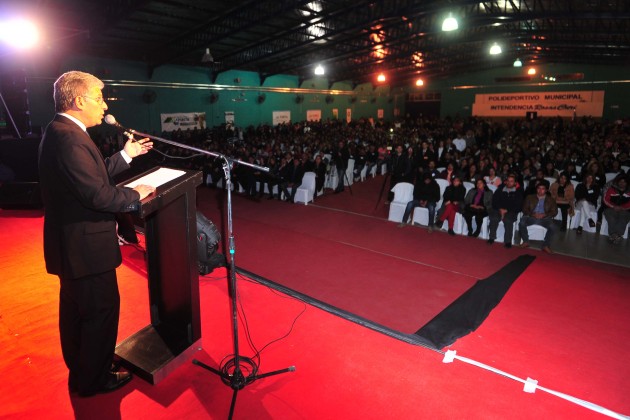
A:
(523, 171)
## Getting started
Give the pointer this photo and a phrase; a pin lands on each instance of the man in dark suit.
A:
(80, 244)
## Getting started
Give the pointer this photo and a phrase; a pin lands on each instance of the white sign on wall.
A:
(314, 115)
(183, 121)
(229, 117)
(545, 104)
(281, 117)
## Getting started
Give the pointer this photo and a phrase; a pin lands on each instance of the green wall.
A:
(191, 89)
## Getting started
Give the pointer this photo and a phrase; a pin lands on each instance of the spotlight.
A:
(518, 63)
(531, 71)
(419, 82)
(319, 70)
(381, 78)
(207, 57)
(208, 238)
(495, 49)
(19, 33)
(450, 24)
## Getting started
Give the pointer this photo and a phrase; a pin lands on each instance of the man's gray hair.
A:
(72, 84)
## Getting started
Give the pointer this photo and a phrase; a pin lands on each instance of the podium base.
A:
(146, 354)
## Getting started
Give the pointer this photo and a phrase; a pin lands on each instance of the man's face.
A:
(541, 190)
(92, 107)
(510, 182)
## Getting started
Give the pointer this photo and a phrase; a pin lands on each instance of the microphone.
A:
(111, 120)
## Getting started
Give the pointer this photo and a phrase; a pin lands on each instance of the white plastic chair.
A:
(349, 173)
(373, 171)
(610, 176)
(421, 216)
(536, 233)
(550, 180)
(492, 188)
(442, 184)
(363, 173)
(403, 193)
(331, 180)
(306, 191)
(484, 227)
(458, 225)
(469, 186)
(501, 229)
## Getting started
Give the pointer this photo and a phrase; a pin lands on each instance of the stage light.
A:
(450, 24)
(531, 71)
(19, 33)
(319, 70)
(419, 82)
(208, 238)
(381, 78)
(495, 49)
(518, 63)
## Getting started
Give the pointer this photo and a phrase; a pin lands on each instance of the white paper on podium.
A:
(157, 178)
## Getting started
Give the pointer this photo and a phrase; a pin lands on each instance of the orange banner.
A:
(544, 104)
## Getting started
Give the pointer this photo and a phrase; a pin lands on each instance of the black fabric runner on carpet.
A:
(467, 312)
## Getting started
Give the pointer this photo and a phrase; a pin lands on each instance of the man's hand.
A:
(137, 148)
(144, 190)
(539, 215)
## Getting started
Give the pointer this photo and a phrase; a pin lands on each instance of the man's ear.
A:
(78, 103)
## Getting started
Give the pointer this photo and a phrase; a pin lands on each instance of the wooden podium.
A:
(173, 279)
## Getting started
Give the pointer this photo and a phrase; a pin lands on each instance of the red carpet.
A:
(563, 323)
(400, 278)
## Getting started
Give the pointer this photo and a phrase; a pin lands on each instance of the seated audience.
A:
(291, 177)
(617, 198)
(586, 196)
(319, 167)
(539, 209)
(453, 203)
(476, 204)
(562, 191)
(507, 202)
(426, 193)
(492, 178)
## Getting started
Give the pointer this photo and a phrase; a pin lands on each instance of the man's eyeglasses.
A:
(99, 100)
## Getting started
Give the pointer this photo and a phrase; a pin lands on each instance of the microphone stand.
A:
(230, 371)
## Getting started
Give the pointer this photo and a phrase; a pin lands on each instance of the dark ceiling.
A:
(353, 39)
